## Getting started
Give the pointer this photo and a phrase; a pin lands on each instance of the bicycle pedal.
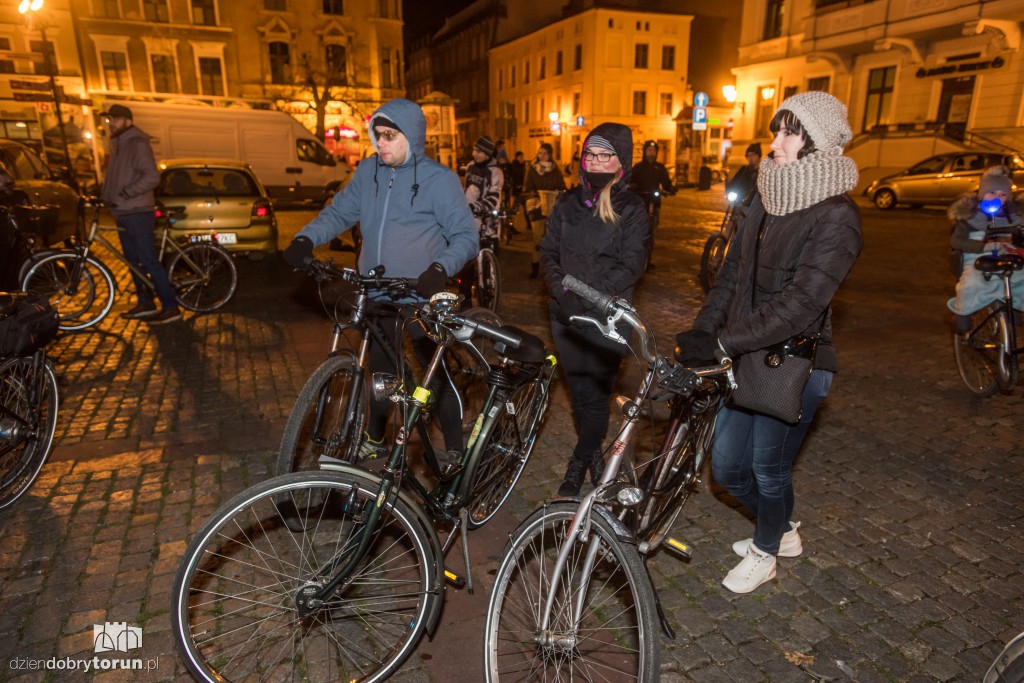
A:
(678, 547)
(454, 579)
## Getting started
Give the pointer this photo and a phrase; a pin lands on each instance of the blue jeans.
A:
(752, 458)
(135, 231)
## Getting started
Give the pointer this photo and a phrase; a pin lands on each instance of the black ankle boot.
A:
(573, 480)
(534, 270)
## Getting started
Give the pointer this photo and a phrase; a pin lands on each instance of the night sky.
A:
(425, 16)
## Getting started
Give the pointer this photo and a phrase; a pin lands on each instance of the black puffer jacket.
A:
(804, 258)
(611, 258)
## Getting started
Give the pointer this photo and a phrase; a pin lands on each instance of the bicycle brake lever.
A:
(608, 329)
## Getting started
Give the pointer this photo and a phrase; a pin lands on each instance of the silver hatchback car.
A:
(941, 179)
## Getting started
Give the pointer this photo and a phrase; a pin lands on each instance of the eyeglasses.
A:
(388, 134)
(602, 157)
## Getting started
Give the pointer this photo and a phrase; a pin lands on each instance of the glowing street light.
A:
(729, 93)
(767, 93)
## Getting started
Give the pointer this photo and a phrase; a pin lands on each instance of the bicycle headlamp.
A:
(731, 196)
(990, 207)
(385, 385)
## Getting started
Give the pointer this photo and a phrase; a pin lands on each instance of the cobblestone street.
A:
(910, 490)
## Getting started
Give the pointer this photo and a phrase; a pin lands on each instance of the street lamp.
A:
(29, 9)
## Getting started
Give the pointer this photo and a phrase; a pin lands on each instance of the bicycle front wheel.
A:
(981, 355)
(80, 290)
(601, 626)
(487, 288)
(236, 595)
(203, 276)
(712, 259)
(28, 418)
(504, 457)
(324, 420)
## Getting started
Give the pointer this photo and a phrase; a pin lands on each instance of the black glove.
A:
(431, 281)
(567, 305)
(696, 347)
(299, 253)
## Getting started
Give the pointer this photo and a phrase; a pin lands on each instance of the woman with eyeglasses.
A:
(542, 176)
(597, 232)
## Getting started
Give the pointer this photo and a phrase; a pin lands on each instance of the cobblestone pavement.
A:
(911, 492)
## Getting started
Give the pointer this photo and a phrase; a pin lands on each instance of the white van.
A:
(288, 160)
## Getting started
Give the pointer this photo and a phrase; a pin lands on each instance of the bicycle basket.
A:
(547, 200)
(29, 325)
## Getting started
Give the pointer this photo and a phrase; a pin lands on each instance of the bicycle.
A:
(572, 597)
(82, 287)
(480, 281)
(717, 245)
(987, 355)
(336, 574)
(29, 403)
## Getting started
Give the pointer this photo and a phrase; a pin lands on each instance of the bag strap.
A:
(753, 290)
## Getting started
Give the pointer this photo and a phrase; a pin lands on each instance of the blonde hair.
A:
(604, 201)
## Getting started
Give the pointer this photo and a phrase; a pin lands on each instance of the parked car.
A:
(44, 189)
(222, 198)
(941, 179)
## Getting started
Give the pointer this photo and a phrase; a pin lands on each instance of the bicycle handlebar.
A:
(510, 339)
(394, 286)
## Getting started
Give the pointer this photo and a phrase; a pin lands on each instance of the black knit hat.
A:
(384, 122)
(485, 145)
(755, 148)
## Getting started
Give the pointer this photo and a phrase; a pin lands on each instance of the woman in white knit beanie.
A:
(801, 236)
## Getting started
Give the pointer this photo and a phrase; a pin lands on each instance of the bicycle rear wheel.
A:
(712, 259)
(81, 303)
(981, 355)
(203, 276)
(323, 420)
(508, 449)
(612, 638)
(26, 425)
(487, 286)
(235, 596)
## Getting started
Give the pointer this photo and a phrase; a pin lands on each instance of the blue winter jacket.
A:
(410, 215)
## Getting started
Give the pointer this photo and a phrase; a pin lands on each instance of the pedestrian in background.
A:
(599, 233)
(650, 180)
(128, 189)
(794, 248)
(744, 183)
(415, 222)
(542, 176)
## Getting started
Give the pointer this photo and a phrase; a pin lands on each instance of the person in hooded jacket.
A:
(599, 233)
(416, 223)
(972, 236)
(798, 242)
(128, 192)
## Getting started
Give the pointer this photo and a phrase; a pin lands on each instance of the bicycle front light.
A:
(385, 385)
(629, 496)
(731, 197)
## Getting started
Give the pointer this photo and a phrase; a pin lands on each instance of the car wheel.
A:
(885, 199)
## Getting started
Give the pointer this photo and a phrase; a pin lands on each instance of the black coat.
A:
(804, 258)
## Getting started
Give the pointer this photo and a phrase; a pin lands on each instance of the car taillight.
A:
(261, 208)
(160, 212)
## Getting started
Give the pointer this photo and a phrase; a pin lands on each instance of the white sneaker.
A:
(755, 568)
(789, 546)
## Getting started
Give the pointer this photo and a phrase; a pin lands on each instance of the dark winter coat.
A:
(651, 176)
(968, 218)
(804, 257)
(131, 176)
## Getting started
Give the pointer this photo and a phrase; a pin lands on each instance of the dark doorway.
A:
(955, 105)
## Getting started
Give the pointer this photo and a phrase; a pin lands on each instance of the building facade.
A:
(556, 83)
(927, 70)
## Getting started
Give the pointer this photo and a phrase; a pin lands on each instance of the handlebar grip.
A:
(603, 302)
(510, 339)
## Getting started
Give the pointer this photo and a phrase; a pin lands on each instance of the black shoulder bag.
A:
(771, 381)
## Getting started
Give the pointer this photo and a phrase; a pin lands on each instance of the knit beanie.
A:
(754, 148)
(384, 122)
(823, 117)
(485, 144)
(994, 180)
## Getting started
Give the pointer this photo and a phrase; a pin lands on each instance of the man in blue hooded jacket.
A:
(415, 222)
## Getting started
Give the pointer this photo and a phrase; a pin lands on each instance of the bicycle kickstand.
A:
(460, 527)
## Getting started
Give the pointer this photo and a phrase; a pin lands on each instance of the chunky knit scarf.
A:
(787, 188)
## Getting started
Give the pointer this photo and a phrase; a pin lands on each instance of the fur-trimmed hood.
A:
(966, 207)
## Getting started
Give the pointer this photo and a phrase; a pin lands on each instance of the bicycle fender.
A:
(620, 529)
(35, 256)
(436, 590)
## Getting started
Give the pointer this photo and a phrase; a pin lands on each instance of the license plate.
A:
(199, 238)
(226, 238)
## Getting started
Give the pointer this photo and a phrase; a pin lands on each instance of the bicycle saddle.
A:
(531, 348)
(998, 263)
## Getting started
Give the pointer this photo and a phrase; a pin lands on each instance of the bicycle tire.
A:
(616, 632)
(208, 282)
(51, 277)
(978, 352)
(487, 295)
(711, 260)
(27, 429)
(234, 614)
(325, 395)
(504, 456)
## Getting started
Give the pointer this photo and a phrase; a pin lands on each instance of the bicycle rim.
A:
(1007, 365)
(26, 427)
(614, 638)
(204, 281)
(235, 615)
(321, 422)
(80, 305)
(978, 353)
(711, 260)
(488, 294)
(507, 451)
